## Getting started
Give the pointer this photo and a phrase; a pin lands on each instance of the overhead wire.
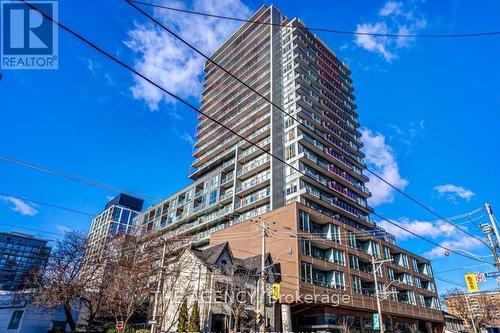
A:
(191, 106)
(328, 30)
(212, 61)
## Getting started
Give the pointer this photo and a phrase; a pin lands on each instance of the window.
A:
(290, 152)
(305, 246)
(415, 264)
(304, 222)
(356, 284)
(213, 197)
(418, 282)
(335, 233)
(352, 239)
(15, 320)
(387, 253)
(390, 273)
(338, 257)
(338, 280)
(116, 214)
(411, 298)
(306, 272)
(403, 260)
(125, 216)
(354, 262)
(394, 293)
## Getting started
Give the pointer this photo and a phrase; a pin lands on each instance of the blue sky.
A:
(429, 110)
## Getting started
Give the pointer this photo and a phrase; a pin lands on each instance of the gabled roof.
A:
(210, 255)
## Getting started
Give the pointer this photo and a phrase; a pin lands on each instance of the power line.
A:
(283, 111)
(191, 106)
(69, 176)
(460, 268)
(449, 281)
(32, 229)
(38, 202)
(337, 31)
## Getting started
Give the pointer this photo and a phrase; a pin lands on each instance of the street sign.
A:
(120, 325)
(375, 322)
(492, 274)
(470, 280)
(480, 277)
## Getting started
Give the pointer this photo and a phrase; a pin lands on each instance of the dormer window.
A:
(223, 266)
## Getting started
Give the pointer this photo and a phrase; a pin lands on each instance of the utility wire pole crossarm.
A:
(490, 229)
(262, 285)
(377, 265)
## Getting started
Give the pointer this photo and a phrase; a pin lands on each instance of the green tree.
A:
(194, 319)
(182, 322)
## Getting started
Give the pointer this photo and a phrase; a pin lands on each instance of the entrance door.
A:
(218, 323)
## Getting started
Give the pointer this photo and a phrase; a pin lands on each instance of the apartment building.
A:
(329, 262)
(485, 306)
(20, 254)
(117, 218)
(317, 133)
(311, 123)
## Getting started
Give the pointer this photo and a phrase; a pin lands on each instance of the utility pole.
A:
(489, 229)
(470, 312)
(158, 286)
(376, 265)
(377, 296)
(262, 286)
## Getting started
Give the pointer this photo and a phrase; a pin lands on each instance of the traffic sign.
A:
(120, 325)
(492, 274)
(375, 322)
(470, 280)
(480, 277)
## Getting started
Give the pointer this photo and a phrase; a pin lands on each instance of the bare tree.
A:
(63, 284)
(478, 307)
(242, 300)
(126, 286)
(345, 325)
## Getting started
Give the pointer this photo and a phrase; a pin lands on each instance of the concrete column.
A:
(286, 318)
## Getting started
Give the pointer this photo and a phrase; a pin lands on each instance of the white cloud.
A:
(423, 228)
(380, 158)
(63, 228)
(465, 243)
(443, 233)
(453, 192)
(393, 18)
(188, 138)
(391, 8)
(168, 62)
(20, 206)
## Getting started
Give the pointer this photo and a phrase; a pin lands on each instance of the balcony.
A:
(254, 166)
(254, 182)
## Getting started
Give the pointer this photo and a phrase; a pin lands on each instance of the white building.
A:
(225, 287)
(17, 315)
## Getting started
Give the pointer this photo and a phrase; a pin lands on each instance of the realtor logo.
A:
(28, 39)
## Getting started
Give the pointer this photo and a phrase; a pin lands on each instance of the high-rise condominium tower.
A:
(311, 124)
